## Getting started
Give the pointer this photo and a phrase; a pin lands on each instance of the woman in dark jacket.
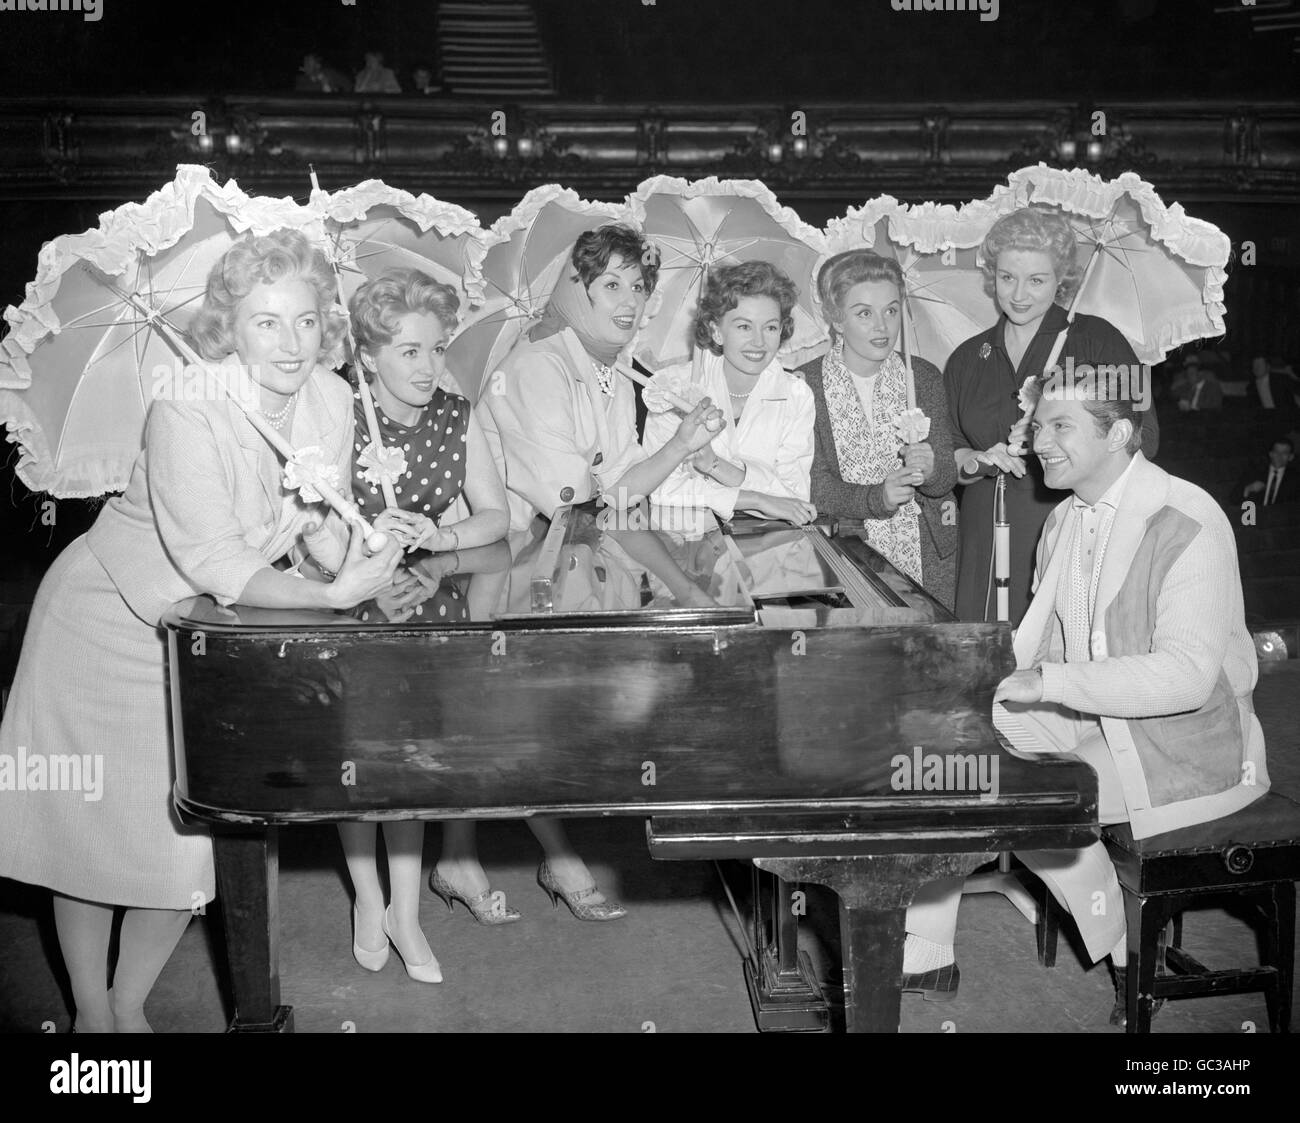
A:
(1029, 266)
(860, 468)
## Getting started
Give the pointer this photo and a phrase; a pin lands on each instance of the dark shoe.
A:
(1119, 1014)
(939, 985)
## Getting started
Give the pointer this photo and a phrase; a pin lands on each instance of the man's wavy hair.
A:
(264, 259)
(1095, 397)
(1033, 230)
(728, 285)
(593, 250)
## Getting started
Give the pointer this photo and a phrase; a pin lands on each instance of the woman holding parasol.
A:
(401, 322)
(860, 387)
(1028, 258)
(560, 419)
(745, 314)
(205, 511)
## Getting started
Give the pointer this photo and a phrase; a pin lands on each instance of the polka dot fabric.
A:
(435, 456)
(435, 450)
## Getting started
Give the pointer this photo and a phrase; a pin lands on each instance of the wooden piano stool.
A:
(1252, 857)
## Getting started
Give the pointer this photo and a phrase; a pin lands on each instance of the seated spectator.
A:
(1197, 387)
(315, 77)
(422, 83)
(376, 78)
(1277, 385)
(1269, 480)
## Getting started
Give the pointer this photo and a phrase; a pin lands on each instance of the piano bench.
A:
(1252, 857)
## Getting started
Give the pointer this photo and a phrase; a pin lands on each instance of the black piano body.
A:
(810, 710)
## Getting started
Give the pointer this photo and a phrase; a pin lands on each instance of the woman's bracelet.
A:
(455, 554)
(329, 574)
(455, 538)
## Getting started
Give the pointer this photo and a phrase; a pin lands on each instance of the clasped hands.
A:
(415, 531)
(917, 468)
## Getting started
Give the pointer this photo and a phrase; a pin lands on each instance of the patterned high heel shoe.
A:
(606, 910)
(488, 907)
(370, 960)
(422, 973)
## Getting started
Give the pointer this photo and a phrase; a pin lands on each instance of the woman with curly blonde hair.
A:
(204, 512)
(1029, 265)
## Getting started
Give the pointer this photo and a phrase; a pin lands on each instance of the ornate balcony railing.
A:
(113, 148)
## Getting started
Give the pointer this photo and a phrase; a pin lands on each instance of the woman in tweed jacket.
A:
(902, 494)
(205, 511)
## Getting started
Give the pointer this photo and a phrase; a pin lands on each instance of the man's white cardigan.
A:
(1173, 666)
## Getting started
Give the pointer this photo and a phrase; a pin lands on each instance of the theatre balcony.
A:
(110, 148)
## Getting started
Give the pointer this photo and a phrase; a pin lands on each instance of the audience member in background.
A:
(376, 78)
(1277, 385)
(316, 78)
(1270, 479)
(1197, 388)
(422, 83)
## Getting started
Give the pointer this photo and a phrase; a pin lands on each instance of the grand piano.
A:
(753, 691)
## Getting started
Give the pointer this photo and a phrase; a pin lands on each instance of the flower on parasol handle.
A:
(382, 465)
(663, 395)
(912, 425)
(308, 469)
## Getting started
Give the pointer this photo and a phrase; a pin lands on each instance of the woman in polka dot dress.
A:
(401, 322)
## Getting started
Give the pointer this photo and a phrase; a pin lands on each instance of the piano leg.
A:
(783, 988)
(874, 892)
(248, 877)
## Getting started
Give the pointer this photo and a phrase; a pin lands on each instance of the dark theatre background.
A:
(600, 94)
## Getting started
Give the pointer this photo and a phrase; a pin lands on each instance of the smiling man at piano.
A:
(1133, 656)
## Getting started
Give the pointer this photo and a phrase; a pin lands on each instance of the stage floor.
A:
(672, 965)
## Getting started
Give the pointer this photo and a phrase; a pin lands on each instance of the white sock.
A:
(921, 955)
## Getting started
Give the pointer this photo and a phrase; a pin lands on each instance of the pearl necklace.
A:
(604, 376)
(279, 416)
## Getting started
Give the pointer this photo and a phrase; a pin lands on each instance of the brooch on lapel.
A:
(985, 351)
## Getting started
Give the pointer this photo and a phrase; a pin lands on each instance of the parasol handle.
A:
(363, 387)
(1070, 312)
(907, 357)
(680, 403)
(367, 399)
(1001, 549)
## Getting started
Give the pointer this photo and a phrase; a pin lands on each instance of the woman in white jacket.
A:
(745, 314)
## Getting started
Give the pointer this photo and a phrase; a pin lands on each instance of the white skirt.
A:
(92, 683)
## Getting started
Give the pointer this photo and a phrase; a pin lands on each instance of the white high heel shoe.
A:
(370, 960)
(422, 973)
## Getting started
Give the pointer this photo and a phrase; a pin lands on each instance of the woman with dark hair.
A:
(745, 313)
(559, 416)
(560, 420)
(903, 494)
(204, 512)
(1029, 266)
